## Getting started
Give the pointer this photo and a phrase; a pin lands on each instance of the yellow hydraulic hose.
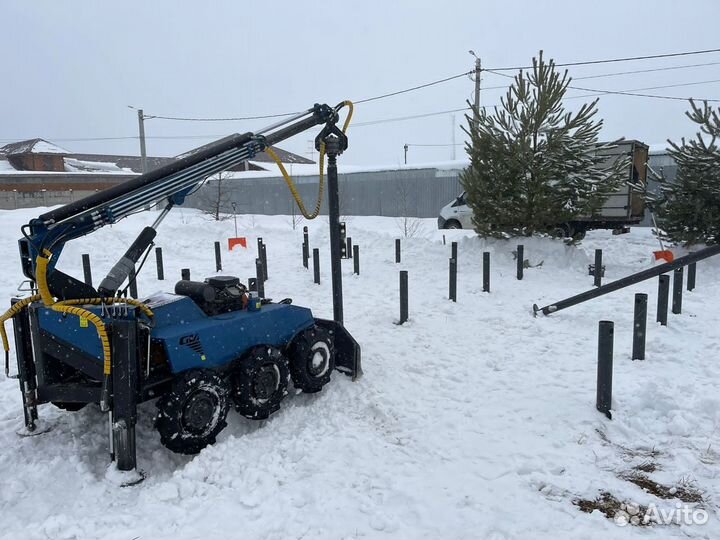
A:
(291, 185)
(16, 308)
(111, 300)
(70, 307)
(321, 161)
(41, 265)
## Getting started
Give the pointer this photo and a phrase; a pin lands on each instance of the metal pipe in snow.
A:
(628, 280)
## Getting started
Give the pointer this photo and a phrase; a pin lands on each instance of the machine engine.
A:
(215, 295)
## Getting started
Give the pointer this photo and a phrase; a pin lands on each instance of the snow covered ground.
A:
(473, 420)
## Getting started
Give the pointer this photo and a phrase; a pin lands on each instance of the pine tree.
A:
(533, 165)
(689, 206)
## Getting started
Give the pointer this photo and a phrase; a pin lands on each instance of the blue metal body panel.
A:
(192, 339)
(73, 330)
(189, 337)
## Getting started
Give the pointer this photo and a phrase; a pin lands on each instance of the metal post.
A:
(305, 247)
(260, 277)
(143, 151)
(520, 260)
(262, 255)
(486, 271)
(597, 282)
(264, 261)
(453, 280)
(332, 146)
(125, 390)
(86, 269)
(316, 265)
(692, 270)
(405, 147)
(356, 259)
(185, 274)
(603, 401)
(26, 366)
(677, 291)
(218, 260)
(349, 249)
(159, 261)
(662, 303)
(132, 280)
(453, 251)
(639, 326)
(397, 250)
(234, 207)
(403, 296)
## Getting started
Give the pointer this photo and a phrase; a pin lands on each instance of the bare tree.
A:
(295, 216)
(217, 196)
(408, 224)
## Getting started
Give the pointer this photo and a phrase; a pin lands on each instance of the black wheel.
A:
(192, 414)
(68, 405)
(564, 230)
(259, 382)
(312, 359)
(453, 224)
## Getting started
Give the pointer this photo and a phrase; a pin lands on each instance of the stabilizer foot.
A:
(123, 478)
(39, 428)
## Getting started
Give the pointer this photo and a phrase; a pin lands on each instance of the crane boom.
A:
(47, 233)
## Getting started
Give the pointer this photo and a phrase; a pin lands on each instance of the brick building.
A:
(36, 172)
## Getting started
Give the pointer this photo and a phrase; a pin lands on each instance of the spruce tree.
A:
(534, 165)
(689, 206)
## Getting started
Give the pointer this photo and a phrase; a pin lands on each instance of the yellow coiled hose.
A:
(321, 184)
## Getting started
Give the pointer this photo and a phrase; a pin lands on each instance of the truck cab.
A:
(456, 214)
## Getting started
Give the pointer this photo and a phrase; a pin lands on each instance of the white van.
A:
(624, 208)
(456, 215)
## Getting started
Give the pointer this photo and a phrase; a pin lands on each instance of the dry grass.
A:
(684, 491)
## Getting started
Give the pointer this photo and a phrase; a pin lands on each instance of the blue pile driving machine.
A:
(210, 345)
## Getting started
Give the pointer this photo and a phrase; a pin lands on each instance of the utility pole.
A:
(406, 149)
(143, 153)
(478, 70)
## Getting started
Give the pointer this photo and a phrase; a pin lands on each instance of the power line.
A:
(400, 118)
(128, 138)
(228, 119)
(425, 85)
(612, 60)
(446, 144)
(635, 94)
(629, 92)
(268, 116)
(669, 68)
(439, 81)
(648, 88)
(633, 72)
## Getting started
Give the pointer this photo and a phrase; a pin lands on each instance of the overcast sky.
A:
(70, 69)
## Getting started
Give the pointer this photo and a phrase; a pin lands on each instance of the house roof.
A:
(92, 163)
(31, 146)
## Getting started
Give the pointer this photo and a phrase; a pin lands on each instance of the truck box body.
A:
(622, 208)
